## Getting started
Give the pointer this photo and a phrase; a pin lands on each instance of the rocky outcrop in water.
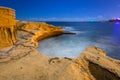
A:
(37, 31)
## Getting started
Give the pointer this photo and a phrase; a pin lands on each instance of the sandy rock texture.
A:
(22, 61)
(37, 31)
(8, 32)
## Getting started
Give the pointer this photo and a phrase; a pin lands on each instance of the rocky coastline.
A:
(22, 60)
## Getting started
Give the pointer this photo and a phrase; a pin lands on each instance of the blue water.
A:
(105, 35)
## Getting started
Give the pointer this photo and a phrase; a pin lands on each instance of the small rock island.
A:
(20, 59)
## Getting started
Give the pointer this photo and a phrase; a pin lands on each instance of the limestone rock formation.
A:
(38, 30)
(8, 32)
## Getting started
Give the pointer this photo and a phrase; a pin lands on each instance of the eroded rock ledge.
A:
(22, 61)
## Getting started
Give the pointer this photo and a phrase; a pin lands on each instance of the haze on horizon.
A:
(64, 10)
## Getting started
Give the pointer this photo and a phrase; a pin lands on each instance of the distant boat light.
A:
(118, 18)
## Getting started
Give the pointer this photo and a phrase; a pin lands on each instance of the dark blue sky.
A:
(64, 10)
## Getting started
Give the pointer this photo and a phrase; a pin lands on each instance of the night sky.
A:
(64, 10)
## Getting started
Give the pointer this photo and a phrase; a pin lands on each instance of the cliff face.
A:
(8, 32)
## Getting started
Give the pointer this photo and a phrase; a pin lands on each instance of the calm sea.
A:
(105, 35)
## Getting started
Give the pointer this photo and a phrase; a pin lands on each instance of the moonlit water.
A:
(105, 35)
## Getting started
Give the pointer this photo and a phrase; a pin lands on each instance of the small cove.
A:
(105, 35)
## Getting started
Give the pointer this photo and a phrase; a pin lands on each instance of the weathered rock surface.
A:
(8, 32)
(37, 31)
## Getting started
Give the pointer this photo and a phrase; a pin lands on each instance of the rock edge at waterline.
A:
(22, 61)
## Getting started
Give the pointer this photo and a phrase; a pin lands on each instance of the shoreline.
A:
(30, 38)
(23, 61)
